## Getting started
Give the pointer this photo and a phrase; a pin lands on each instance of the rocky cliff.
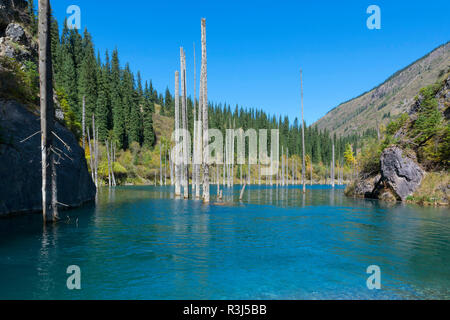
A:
(20, 163)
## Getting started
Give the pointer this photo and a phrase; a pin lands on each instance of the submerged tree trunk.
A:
(176, 155)
(94, 152)
(303, 137)
(185, 166)
(205, 116)
(194, 147)
(332, 168)
(109, 167)
(49, 191)
(160, 165)
(113, 155)
(241, 196)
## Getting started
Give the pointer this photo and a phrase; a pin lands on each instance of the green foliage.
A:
(19, 83)
(33, 18)
(444, 148)
(70, 120)
(429, 117)
(429, 131)
(369, 157)
(348, 155)
(395, 125)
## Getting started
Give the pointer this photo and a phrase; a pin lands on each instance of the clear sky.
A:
(256, 48)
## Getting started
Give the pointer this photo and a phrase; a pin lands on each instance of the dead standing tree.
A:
(49, 187)
(83, 122)
(332, 168)
(303, 136)
(176, 155)
(199, 143)
(194, 148)
(160, 165)
(185, 166)
(205, 115)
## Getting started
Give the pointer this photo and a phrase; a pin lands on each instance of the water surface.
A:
(278, 243)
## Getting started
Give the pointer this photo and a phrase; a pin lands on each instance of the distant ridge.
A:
(389, 98)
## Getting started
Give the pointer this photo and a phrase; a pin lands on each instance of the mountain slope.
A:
(390, 98)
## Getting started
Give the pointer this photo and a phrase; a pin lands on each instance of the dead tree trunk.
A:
(113, 154)
(332, 168)
(176, 156)
(194, 148)
(91, 158)
(199, 142)
(287, 166)
(49, 208)
(109, 167)
(241, 196)
(94, 151)
(303, 137)
(205, 116)
(165, 165)
(160, 165)
(83, 122)
(184, 123)
(96, 157)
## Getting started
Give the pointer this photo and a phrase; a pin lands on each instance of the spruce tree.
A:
(88, 76)
(148, 131)
(116, 101)
(102, 106)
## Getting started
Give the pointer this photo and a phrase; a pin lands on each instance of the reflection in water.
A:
(277, 243)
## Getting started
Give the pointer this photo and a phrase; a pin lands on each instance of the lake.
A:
(277, 243)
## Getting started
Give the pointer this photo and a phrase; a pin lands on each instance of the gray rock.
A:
(20, 164)
(399, 173)
(364, 187)
(15, 32)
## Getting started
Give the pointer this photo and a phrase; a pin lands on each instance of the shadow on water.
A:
(277, 243)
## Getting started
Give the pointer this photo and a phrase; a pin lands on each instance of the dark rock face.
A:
(20, 164)
(399, 173)
(365, 187)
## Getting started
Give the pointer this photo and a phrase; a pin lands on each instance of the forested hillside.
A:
(389, 99)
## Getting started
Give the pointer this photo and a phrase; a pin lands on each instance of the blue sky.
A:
(256, 48)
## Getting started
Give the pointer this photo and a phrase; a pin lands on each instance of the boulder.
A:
(20, 163)
(400, 174)
(15, 32)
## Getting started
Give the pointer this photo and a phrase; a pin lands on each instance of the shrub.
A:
(395, 125)
(19, 83)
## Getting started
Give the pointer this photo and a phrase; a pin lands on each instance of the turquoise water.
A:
(139, 243)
